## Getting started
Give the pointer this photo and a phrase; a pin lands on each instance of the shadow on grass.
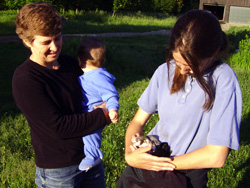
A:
(245, 131)
(245, 140)
(235, 35)
(99, 24)
(128, 59)
(7, 28)
(72, 28)
(245, 179)
(12, 54)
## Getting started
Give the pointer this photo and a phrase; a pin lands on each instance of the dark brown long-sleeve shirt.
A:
(51, 101)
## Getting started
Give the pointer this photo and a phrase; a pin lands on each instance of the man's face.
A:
(45, 49)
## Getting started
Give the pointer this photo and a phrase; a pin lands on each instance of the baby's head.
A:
(91, 51)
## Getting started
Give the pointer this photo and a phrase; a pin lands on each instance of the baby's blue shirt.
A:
(97, 88)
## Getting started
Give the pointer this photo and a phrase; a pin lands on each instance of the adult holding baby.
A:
(47, 91)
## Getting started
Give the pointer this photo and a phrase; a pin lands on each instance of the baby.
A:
(98, 88)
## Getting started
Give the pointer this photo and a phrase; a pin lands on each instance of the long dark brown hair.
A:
(197, 35)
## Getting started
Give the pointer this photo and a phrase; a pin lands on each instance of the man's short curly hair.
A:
(37, 18)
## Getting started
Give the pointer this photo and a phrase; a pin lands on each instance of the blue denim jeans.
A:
(70, 177)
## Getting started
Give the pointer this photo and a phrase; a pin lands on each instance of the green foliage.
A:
(167, 6)
(242, 57)
(8, 13)
(131, 5)
(120, 5)
(164, 6)
(189, 5)
(17, 4)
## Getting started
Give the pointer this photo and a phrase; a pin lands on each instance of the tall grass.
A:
(132, 60)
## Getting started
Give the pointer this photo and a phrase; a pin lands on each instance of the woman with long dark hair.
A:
(199, 102)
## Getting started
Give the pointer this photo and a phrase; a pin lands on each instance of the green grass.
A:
(99, 22)
(102, 22)
(132, 60)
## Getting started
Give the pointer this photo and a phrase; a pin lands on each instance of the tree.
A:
(167, 6)
(126, 5)
(189, 5)
(17, 4)
(14, 4)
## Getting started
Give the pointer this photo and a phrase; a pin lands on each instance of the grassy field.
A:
(132, 60)
(98, 22)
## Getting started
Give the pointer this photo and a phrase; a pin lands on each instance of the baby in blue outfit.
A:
(98, 88)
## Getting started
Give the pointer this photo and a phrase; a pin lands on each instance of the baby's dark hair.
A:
(85, 51)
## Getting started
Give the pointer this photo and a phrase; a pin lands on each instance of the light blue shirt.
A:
(183, 123)
(98, 87)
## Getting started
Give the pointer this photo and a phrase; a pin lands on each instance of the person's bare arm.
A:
(209, 156)
(140, 158)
